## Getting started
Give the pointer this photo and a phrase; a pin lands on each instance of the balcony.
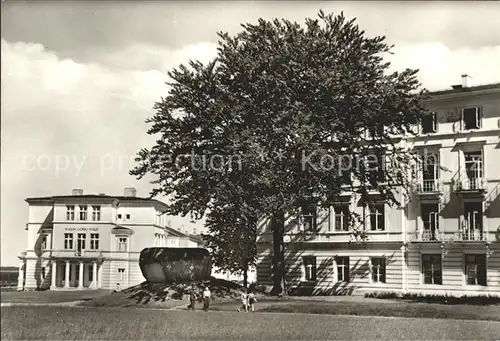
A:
(89, 254)
(471, 232)
(429, 188)
(428, 236)
(470, 186)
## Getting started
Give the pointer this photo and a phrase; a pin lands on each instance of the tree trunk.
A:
(278, 229)
(245, 277)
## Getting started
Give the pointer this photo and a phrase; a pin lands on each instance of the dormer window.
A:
(472, 118)
(429, 123)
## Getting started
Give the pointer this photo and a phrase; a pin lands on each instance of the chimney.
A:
(77, 191)
(129, 192)
(102, 194)
(464, 80)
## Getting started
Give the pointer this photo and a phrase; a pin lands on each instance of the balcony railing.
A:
(468, 234)
(429, 236)
(470, 184)
(429, 186)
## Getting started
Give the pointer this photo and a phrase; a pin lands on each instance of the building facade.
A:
(83, 241)
(445, 239)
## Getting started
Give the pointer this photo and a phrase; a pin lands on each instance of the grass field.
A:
(374, 308)
(51, 296)
(71, 323)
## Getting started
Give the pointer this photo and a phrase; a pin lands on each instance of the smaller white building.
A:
(88, 241)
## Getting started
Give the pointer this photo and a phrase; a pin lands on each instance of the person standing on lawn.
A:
(251, 301)
(192, 297)
(244, 300)
(206, 299)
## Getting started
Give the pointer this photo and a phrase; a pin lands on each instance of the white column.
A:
(80, 276)
(66, 279)
(20, 278)
(94, 275)
(54, 274)
(99, 276)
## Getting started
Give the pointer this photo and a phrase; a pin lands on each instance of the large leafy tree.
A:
(275, 115)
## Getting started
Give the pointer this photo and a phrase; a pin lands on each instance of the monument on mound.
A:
(175, 265)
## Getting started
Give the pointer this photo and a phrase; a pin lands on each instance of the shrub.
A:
(436, 298)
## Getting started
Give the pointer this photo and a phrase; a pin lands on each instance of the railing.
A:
(470, 184)
(471, 232)
(429, 186)
(472, 235)
(428, 236)
(493, 195)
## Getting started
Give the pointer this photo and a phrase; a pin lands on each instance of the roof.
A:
(466, 89)
(95, 196)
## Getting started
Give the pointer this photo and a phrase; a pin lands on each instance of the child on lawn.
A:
(244, 301)
(251, 301)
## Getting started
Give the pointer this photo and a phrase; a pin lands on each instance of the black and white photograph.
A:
(250, 170)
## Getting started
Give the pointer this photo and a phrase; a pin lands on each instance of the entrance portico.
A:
(75, 274)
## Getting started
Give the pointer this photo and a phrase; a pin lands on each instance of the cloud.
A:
(67, 124)
(441, 66)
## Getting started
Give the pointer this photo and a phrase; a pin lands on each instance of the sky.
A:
(80, 78)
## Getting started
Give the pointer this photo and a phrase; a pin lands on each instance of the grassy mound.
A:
(169, 295)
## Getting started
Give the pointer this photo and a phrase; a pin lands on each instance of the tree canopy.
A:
(285, 113)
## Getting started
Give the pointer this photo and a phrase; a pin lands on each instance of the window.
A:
(94, 241)
(122, 244)
(430, 172)
(430, 219)
(473, 226)
(308, 217)
(81, 241)
(375, 164)
(342, 269)
(68, 241)
(43, 244)
(431, 268)
(378, 270)
(121, 274)
(43, 272)
(473, 168)
(119, 216)
(377, 217)
(472, 118)
(310, 268)
(341, 217)
(429, 123)
(96, 213)
(91, 273)
(127, 216)
(70, 212)
(475, 269)
(83, 212)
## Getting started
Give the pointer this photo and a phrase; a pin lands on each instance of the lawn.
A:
(71, 323)
(48, 296)
(374, 308)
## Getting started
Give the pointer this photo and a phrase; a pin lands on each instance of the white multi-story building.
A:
(92, 241)
(446, 239)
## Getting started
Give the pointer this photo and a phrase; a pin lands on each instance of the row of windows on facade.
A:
(121, 273)
(375, 167)
(94, 242)
(474, 269)
(83, 209)
(473, 212)
(471, 119)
